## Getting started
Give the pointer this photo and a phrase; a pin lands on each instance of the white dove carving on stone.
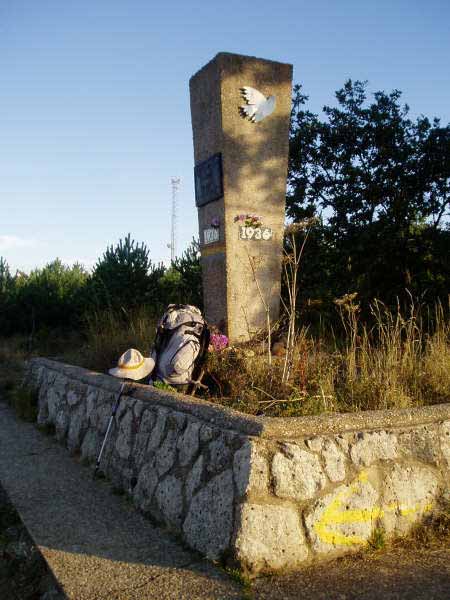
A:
(258, 107)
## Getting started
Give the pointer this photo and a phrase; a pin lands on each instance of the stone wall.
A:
(270, 493)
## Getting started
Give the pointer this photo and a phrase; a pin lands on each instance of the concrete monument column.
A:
(240, 109)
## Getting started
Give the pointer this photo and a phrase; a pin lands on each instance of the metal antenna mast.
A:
(176, 182)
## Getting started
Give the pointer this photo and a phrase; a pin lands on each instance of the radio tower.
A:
(176, 182)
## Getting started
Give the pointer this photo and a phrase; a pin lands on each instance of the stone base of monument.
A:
(269, 494)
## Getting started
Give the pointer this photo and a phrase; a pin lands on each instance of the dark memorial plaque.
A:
(208, 180)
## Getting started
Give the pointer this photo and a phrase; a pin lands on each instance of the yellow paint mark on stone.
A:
(334, 515)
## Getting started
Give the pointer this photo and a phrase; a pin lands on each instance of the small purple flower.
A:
(218, 341)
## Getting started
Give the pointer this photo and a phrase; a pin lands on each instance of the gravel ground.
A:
(24, 575)
(406, 573)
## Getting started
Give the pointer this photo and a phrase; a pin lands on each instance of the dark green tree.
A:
(6, 283)
(189, 267)
(381, 182)
(182, 282)
(124, 277)
(5, 278)
(47, 297)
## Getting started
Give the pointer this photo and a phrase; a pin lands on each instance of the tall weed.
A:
(109, 333)
(397, 362)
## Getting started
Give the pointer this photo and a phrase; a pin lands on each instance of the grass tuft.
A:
(245, 582)
(377, 540)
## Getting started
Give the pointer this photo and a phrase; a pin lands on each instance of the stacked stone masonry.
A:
(270, 494)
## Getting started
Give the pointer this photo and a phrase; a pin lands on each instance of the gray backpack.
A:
(181, 344)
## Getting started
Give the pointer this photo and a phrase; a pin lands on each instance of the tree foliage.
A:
(381, 183)
(189, 268)
(121, 277)
(47, 297)
(124, 279)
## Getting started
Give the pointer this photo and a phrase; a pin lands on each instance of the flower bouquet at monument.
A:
(249, 220)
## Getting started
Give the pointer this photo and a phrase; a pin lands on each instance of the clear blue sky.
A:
(94, 101)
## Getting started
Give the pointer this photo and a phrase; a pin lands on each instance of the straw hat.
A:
(132, 365)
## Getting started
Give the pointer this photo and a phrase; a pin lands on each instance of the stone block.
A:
(342, 441)
(77, 425)
(371, 447)
(90, 446)
(91, 405)
(333, 458)
(61, 424)
(409, 492)
(53, 404)
(169, 498)
(444, 438)
(269, 537)
(146, 424)
(145, 487)
(219, 455)
(178, 419)
(102, 410)
(344, 519)
(188, 443)
(165, 456)
(206, 434)
(194, 478)
(158, 430)
(74, 397)
(43, 416)
(251, 470)
(421, 443)
(126, 404)
(297, 473)
(208, 524)
(138, 408)
(124, 437)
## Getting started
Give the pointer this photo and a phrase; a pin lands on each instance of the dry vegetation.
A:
(401, 360)
(394, 363)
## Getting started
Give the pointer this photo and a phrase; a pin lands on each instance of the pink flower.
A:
(218, 341)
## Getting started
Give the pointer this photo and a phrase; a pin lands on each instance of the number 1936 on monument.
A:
(255, 233)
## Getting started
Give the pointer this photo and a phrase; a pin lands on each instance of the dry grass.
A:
(12, 354)
(394, 364)
(108, 335)
(433, 530)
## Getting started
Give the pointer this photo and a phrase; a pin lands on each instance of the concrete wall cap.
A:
(263, 427)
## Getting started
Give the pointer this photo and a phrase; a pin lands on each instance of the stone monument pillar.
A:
(240, 109)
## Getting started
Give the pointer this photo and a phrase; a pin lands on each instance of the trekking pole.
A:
(111, 419)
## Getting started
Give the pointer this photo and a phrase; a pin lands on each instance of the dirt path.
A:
(396, 574)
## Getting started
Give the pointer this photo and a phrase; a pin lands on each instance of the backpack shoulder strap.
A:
(201, 359)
